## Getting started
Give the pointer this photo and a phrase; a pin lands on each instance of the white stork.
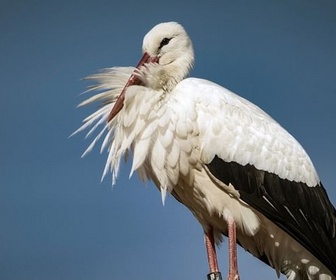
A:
(238, 171)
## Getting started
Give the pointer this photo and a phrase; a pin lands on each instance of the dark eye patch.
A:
(164, 42)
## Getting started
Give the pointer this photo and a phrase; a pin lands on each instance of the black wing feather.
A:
(305, 213)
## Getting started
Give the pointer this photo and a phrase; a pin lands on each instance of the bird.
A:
(239, 172)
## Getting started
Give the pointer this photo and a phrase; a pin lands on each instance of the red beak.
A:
(133, 80)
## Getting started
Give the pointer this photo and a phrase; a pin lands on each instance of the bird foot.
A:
(233, 276)
(215, 276)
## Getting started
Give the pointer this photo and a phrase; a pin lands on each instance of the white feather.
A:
(141, 150)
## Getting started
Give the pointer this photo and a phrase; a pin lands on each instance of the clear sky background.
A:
(57, 221)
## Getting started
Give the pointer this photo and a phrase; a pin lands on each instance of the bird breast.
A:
(161, 136)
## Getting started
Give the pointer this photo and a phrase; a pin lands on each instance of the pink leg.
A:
(212, 257)
(211, 251)
(233, 265)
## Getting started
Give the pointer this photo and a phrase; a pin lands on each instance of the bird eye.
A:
(164, 42)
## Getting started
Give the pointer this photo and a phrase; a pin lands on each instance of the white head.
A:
(168, 56)
(171, 45)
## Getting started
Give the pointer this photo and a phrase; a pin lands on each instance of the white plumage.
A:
(180, 132)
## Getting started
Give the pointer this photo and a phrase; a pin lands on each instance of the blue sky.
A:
(57, 220)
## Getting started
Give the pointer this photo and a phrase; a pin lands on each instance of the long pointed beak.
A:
(133, 80)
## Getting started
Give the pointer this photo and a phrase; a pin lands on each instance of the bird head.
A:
(170, 44)
(167, 58)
